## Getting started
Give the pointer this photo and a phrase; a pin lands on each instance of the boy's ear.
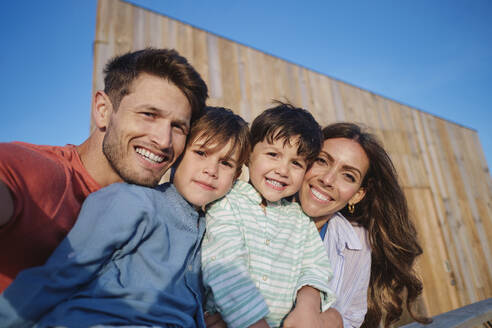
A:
(238, 173)
(101, 110)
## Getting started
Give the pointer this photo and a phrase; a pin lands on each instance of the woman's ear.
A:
(101, 110)
(358, 196)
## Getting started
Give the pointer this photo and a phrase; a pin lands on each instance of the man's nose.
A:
(162, 137)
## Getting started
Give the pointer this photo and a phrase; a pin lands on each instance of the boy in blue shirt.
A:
(133, 256)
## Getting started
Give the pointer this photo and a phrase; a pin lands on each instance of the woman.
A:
(352, 194)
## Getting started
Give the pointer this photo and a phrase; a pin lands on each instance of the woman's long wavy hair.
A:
(392, 236)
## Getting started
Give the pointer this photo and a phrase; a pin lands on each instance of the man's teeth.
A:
(275, 183)
(318, 195)
(150, 156)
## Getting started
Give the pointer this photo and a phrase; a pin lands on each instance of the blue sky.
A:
(432, 55)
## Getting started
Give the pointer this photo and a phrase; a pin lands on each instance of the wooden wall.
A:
(441, 164)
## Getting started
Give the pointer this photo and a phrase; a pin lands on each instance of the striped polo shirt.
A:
(255, 258)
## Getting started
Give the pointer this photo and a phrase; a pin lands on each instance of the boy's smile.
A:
(276, 170)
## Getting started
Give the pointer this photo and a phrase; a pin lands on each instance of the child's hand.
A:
(214, 321)
(304, 317)
(307, 311)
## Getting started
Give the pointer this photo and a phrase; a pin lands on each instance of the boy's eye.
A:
(226, 163)
(272, 154)
(321, 160)
(199, 152)
(298, 164)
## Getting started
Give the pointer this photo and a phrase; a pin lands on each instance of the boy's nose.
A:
(211, 169)
(283, 169)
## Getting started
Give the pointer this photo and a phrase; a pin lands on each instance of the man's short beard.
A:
(113, 153)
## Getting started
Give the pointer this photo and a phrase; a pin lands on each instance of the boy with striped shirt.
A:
(261, 254)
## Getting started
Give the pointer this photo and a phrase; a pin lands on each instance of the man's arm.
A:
(6, 204)
(110, 219)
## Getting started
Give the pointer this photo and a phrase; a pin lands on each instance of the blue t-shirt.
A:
(132, 258)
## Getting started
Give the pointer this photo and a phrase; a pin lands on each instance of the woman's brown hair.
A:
(392, 236)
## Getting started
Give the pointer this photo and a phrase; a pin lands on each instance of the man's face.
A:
(148, 131)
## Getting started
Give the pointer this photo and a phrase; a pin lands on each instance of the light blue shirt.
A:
(132, 258)
(350, 256)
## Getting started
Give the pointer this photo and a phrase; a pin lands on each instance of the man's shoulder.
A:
(39, 156)
(19, 146)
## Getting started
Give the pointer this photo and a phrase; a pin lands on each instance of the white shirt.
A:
(350, 256)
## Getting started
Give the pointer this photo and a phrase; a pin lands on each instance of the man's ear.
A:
(101, 110)
(358, 196)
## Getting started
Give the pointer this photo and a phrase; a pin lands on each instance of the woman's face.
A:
(334, 179)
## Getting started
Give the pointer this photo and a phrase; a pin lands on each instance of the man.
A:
(141, 121)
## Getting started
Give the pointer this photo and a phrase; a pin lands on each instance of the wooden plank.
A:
(231, 90)
(432, 263)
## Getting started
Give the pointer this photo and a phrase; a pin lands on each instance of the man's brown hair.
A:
(121, 71)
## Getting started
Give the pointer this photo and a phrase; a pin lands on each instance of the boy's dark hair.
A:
(218, 126)
(121, 71)
(285, 121)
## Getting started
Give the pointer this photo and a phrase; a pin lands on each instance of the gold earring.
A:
(351, 208)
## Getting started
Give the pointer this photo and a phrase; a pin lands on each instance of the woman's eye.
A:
(349, 177)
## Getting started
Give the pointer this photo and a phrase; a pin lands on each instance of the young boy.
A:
(260, 252)
(133, 257)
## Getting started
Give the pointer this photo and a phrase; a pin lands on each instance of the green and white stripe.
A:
(255, 259)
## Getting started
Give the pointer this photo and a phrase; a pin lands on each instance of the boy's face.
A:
(205, 174)
(276, 170)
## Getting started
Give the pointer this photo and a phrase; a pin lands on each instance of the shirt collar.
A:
(247, 190)
(348, 238)
(177, 201)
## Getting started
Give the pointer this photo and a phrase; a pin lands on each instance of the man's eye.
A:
(179, 127)
(149, 114)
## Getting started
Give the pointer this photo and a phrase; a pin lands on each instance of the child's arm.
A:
(307, 309)
(225, 269)
(313, 295)
(106, 223)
